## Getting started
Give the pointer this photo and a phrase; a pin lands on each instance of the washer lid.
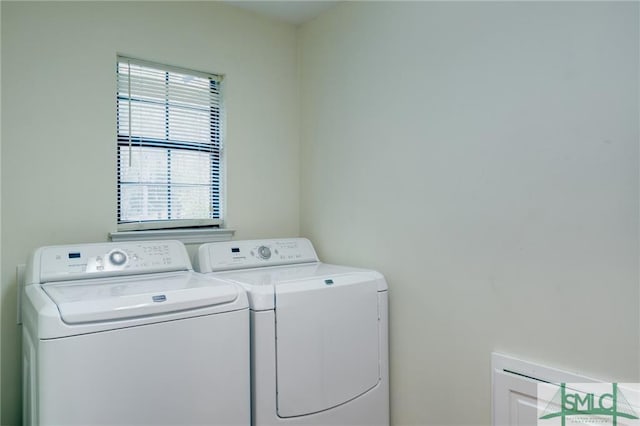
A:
(129, 297)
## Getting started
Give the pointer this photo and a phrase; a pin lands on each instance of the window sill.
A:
(186, 235)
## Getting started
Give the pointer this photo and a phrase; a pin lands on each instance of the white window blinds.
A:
(169, 146)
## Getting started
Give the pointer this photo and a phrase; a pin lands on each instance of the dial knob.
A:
(264, 252)
(117, 258)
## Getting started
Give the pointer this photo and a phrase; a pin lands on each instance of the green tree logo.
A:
(589, 406)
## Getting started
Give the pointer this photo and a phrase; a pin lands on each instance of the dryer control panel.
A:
(59, 263)
(231, 255)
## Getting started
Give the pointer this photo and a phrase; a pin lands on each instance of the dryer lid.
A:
(260, 283)
(328, 342)
(111, 299)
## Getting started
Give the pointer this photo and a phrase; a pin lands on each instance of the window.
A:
(169, 146)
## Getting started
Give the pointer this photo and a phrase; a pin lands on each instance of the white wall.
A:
(484, 157)
(58, 124)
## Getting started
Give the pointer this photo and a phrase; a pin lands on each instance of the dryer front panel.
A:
(327, 342)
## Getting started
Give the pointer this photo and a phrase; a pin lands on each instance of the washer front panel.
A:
(192, 371)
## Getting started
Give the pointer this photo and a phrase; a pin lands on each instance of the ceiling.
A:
(295, 12)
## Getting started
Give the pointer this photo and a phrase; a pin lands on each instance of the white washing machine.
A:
(129, 334)
(319, 339)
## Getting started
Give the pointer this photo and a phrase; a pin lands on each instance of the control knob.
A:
(117, 258)
(264, 252)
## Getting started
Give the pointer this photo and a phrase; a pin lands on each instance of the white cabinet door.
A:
(515, 389)
(515, 400)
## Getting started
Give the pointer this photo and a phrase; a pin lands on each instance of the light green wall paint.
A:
(0, 221)
(484, 157)
(58, 125)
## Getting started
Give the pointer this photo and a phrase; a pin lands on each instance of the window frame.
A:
(124, 140)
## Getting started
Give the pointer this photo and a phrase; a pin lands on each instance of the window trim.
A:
(181, 228)
(186, 235)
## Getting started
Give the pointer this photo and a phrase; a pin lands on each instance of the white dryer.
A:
(129, 334)
(319, 339)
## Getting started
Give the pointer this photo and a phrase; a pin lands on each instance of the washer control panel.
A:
(107, 259)
(254, 253)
